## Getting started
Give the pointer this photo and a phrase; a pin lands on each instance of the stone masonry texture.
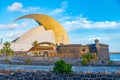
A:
(41, 75)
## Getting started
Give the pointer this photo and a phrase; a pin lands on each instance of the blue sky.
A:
(84, 20)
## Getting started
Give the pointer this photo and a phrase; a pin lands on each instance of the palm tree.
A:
(88, 56)
(35, 44)
(7, 50)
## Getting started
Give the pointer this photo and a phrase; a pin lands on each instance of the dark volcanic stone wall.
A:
(103, 52)
(39, 75)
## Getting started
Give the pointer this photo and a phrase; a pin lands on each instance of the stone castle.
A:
(75, 50)
(101, 50)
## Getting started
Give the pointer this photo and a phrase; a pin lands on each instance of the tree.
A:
(28, 61)
(7, 50)
(110, 62)
(87, 58)
(84, 62)
(62, 67)
(35, 44)
(37, 53)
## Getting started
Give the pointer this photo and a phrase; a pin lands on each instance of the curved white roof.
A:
(39, 34)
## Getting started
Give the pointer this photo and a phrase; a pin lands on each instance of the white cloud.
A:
(70, 23)
(101, 37)
(64, 4)
(14, 25)
(17, 6)
(59, 11)
(56, 11)
(88, 39)
(30, 9)
(13, 35)
(82, 22)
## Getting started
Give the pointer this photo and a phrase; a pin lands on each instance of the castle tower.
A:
(102, 51)
(97, 43)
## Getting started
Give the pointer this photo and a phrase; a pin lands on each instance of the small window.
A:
(83, 49)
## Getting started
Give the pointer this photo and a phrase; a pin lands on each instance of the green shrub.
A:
(88, 56)
(84, 62)
(37, 53)
(7, 60)
(61, 67)
(110, 62)
(28, 61)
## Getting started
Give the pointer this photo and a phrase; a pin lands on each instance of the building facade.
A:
(76, 49)
(101, 50)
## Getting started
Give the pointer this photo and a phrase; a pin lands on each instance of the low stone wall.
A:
(74, 61)
(46, 60)
(41, 75)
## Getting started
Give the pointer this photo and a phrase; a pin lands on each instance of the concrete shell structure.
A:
(39, 34)
(48, 31)
(50, 24)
